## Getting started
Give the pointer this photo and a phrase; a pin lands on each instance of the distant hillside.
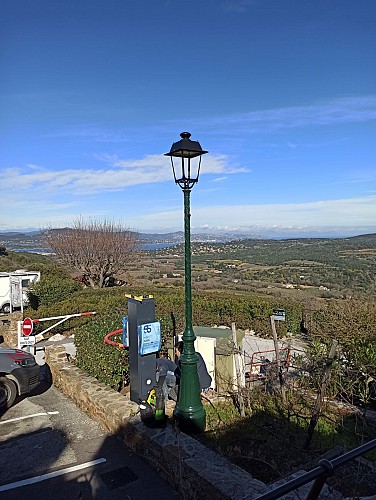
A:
(13, 240)
(288, 248)
(366, 237)
(325, 250)
(16, 240)
(342, 264)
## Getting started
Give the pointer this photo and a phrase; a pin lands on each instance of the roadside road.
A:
(50, 449)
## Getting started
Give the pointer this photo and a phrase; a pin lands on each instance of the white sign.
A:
(15, 291)
(149, 338)
(30, 340)
(278, 315)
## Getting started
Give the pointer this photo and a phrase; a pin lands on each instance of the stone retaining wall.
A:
(192, 469)
(8, 328)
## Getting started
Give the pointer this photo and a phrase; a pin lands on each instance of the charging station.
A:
(144, 338)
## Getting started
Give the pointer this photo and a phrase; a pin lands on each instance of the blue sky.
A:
(282, 93)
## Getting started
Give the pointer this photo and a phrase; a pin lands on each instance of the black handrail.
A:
(324, 469)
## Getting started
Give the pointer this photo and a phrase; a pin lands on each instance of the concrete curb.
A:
(191, 468)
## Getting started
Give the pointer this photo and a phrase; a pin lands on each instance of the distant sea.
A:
(31, 250)
(144, 246)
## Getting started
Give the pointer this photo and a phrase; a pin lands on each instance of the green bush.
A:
(222, 308)
(52, 269)
(108, 301)
(108, 364)
(50, 290)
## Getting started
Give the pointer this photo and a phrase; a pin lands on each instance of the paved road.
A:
(46, 433)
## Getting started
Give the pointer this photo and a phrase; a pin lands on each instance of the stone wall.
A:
(192, 469)
(8, 328)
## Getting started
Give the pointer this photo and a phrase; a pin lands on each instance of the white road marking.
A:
(49, 475)
(29, 416)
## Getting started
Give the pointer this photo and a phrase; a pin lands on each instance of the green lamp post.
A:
(189, 411)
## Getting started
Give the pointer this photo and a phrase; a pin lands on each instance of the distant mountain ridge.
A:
(16, 240)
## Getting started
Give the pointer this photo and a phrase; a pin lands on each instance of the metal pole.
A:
(189, 412)
(278, 360)
(10, 296)
(188, 267)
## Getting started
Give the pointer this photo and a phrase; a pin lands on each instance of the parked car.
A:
(19, 374)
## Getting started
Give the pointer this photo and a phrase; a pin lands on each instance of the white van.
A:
(13, 287)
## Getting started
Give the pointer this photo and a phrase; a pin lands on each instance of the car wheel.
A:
(6, 308)
(8, 393)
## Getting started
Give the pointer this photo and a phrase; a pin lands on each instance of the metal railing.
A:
(261, 363)
(319, 474)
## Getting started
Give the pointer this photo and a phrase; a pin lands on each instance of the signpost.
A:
(26, 339)
(278, 315)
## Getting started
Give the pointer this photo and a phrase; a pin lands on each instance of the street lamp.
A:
(189, 411)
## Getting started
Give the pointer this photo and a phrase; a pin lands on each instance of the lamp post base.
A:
(189, 412)
(191, 420)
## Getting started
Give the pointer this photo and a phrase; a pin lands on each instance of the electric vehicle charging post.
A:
(144, 337)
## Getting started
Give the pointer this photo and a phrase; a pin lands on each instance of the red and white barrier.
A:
(21, 342)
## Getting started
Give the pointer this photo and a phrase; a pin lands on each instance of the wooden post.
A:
(238, 373)
(320, 394)
(278, 360)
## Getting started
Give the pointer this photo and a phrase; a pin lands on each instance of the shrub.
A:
(52, 269)
(50, 290)
(108, 364)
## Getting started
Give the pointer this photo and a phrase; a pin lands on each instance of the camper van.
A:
(13, 287)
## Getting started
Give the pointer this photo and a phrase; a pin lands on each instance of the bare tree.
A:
(96, 249)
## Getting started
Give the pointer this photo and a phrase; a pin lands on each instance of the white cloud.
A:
(342, 216)
(361, 175)
(357, 212)
(119, 175)
(336, 111)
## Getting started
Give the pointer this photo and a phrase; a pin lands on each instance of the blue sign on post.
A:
(125, 332)
(149, 338)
